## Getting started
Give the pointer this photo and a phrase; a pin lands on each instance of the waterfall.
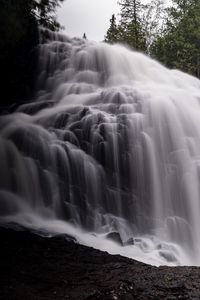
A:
(109, 146)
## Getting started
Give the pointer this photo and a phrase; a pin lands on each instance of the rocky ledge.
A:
(36, 268)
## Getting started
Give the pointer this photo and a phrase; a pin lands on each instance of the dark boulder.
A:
(115, 237)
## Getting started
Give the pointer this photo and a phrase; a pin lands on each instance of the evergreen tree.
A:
(44, 11)
(139, 24)
(112, 35)
(171, 35)
(179, 46)
(84, 36)
(19, 20)
(131, 25)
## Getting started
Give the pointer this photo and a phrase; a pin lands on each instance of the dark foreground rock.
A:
(34, 268)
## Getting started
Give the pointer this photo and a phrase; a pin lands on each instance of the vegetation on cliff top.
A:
(19, 22)
(169, 34)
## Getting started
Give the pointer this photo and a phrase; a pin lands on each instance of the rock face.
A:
(32, 267)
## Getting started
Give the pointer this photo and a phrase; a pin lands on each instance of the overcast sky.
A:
(89, 16)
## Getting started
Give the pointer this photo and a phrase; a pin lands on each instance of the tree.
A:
(112, 35)
(152, 18)
(169, 34)
(19, 22)
(44, 11)
(179, 45)
(131, 25)
(139, 24)
(130, 29)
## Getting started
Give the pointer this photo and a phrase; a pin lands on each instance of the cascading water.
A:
(111, 144)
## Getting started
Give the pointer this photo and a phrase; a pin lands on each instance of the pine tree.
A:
(44, 11)
(19, 20)
(112, 35)
(131, 25)
(179, 46)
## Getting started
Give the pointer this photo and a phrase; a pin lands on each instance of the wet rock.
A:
(129, 242)
(115, 236)
(33, 267)
(66, 237)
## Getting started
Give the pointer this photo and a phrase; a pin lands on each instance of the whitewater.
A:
(109, 146)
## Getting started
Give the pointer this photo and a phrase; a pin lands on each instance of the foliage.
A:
(44, 11)
(169, 34)
(19, 20)
(179, 45)
(131, 25)
(138, 24)
(152, 16)
(112, 35)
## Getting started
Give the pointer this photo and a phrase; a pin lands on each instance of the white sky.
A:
(89, 16)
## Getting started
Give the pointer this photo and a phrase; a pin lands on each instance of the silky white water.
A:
(111, 143)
